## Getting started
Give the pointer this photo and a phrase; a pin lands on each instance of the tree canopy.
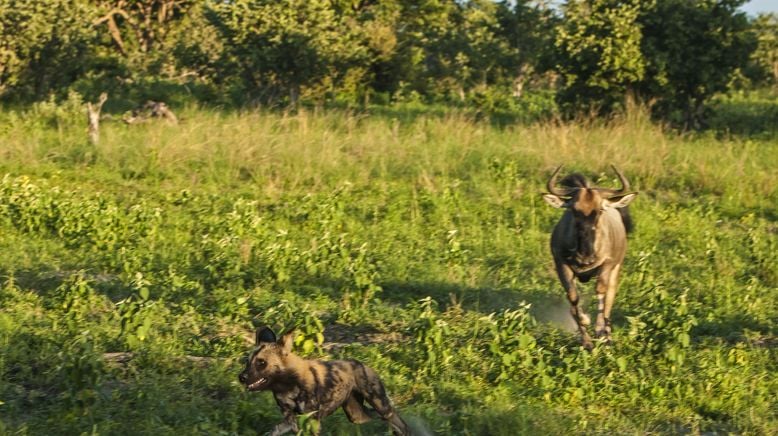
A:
(591, 54)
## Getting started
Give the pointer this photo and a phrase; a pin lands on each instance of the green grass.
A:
(416, 243)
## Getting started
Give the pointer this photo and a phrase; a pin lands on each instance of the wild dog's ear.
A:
(622, 201)
(286, 342)
(554, 201)
(264, 334)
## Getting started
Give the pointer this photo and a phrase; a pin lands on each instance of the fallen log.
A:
(151, 109)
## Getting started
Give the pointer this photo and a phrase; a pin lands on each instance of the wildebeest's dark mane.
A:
(575, 180)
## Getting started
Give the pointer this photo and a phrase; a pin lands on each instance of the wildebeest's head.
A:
(587, 205)
(267, 363)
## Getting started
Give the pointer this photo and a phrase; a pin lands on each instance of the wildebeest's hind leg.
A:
(567, 279)
(373, 391)
(355, 409)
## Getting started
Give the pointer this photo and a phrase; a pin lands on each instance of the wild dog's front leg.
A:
(289, 424)
(567, 279)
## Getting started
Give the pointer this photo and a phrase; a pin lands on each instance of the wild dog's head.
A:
(267, 363)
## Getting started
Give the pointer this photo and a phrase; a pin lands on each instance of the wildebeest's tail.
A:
(626, 218)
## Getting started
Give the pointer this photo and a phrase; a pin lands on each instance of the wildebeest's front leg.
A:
(607, 283)
(567, 278)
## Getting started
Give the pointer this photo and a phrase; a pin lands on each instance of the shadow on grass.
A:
(753, 114)
(548, 305)
(45, 281)
(476, 299)
(460, 411)
(150, 396)
(409, 113)
(737, 328)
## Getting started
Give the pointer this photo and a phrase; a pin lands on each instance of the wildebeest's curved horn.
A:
(552, 189)
(624, 185)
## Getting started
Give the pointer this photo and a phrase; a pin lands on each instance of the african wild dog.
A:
(302, 386)
(590, 240)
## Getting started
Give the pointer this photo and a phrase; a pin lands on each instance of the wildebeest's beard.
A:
(585, 236)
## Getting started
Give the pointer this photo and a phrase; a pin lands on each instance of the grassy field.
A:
(414, 241)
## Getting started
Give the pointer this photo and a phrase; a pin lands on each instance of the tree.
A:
(142, 32)
(285, 47)
(674, 53)
(691, 49)
(598, 53)
(765, 57)
(468, 51)
(450, 48)
(48, 45)
(143, 24)
(528, 27)
(420, 28)
(44, 45)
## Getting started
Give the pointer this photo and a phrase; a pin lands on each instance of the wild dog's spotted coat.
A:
(303, 386)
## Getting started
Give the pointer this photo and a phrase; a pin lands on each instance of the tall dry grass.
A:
(278, 151)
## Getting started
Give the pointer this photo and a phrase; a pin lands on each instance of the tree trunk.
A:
(294, 95)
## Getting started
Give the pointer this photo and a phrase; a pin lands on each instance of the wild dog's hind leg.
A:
(289, 424)
(355, 409)
(567, 279)
(373, 391)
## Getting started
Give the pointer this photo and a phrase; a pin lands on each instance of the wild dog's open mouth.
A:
(257, 384)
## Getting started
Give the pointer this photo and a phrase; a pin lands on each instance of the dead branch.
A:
(151, 109)
(93, 118)
(160, 109)
(113, 28)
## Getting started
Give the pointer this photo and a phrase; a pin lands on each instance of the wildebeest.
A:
(590, 240)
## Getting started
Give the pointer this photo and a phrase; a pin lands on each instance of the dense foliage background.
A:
(584, 55)
(369, 173)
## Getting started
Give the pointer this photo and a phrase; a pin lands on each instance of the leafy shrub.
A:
(515, 351)
(308, 328)
(136, 314)
(431, 335)
(665, 326)
(80, 369)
